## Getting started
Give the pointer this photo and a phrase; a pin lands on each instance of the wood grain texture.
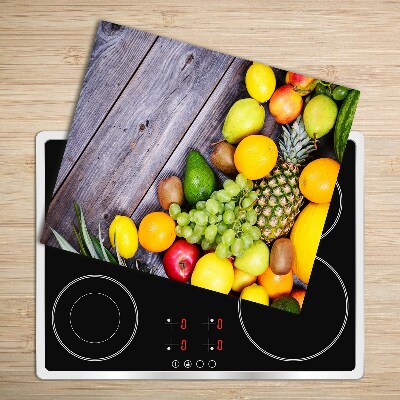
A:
(117, 53)
(152, 113)
(44, 49)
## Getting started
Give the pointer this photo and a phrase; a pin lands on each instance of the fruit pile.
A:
(253, 233)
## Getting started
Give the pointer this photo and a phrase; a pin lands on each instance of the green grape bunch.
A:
(225, 222)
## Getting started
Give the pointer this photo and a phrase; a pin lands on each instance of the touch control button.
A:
(199, 363)
(212, 364)
(187, 364)
(175, 364)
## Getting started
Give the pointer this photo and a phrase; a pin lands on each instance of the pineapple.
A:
(279, 197)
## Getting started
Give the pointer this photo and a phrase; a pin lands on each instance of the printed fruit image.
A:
(255, 156)
(213, 273)
(282, 256)
(340, 93)
(157, 232)
(305, 236)
(170, 191)
(225, 222)
(245, 117)
(255, 260)
(256, 294)
(318, 179)
(222, 158)
(301, 82)
(299, 295)
(123, 229)
(241, 280)
(276, 285)
(285, 104)
(279, 196)
(180, 259)
(260, 82)
(199, 181)
(319, 116)
(286, 303)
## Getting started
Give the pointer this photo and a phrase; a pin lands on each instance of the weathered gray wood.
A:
(117, 53)
(139, 134)
(205, 130)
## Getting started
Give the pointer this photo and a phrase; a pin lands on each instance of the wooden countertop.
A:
(44, 49)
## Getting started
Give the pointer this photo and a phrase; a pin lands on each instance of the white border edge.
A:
(358, 139)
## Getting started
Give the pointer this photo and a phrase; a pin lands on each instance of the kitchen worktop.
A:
(44, 51)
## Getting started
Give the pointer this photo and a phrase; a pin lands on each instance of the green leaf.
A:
(78, 213)
(62, 242)
(79, 239)
(97, 246)
(102, 246)
(86, 237)
(78, 217)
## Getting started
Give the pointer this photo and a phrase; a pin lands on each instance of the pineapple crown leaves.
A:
(295, 145)
(89, 245)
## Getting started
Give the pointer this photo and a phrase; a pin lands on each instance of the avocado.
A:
(286, 303)
(199, 181)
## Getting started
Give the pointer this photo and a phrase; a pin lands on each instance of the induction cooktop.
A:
(96, 320)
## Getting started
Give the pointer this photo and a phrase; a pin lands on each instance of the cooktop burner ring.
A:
(279, 358)
(324, 234)
(126, 327)
(95, 341)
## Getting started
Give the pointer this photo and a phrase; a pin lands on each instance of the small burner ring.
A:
(95, 341)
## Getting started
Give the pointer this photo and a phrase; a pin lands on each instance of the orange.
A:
(157, 232)
(299, 294)
(317, 180)
(255, 156)
(276, 285)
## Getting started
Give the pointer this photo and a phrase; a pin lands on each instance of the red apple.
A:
(301, 82)
(180, 259)
(285, 104)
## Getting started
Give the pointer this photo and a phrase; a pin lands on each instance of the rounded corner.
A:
(358, 372)
(41, 373)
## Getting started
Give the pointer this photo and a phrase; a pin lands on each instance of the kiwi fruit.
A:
(170, 190)
(282, 256)
(222, 158)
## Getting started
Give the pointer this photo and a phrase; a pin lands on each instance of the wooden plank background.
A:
(175, 100)
(44, 53)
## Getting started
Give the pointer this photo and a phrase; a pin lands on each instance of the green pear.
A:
(245, 117)
(255, 260)
(320, 116)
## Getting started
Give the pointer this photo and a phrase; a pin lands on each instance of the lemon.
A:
(125, 232)
(213, 273)
(260, 82)
(256, 294)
